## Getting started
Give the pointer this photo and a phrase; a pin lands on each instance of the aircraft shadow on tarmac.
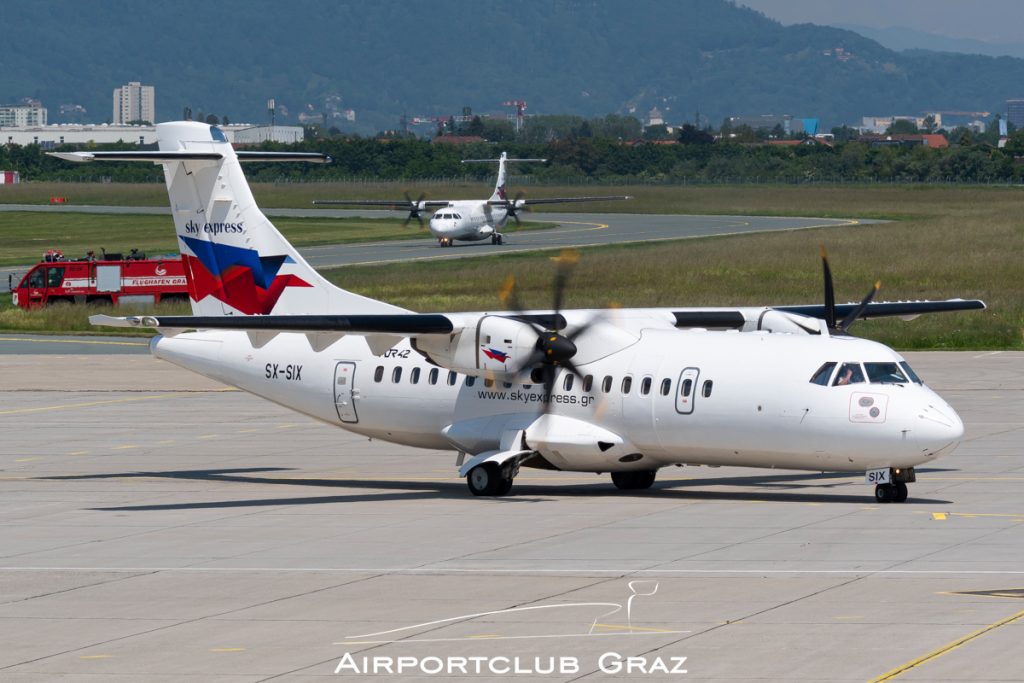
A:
(523, 493)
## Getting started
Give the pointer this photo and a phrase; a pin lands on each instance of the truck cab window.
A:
(37, 280)
(54, 277)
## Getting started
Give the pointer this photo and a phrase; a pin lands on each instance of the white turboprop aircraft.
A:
(468, 220)
(624, 391)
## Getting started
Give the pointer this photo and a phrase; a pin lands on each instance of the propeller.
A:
(414, 209)
(553, 349)
(512, 210)
(830, 300)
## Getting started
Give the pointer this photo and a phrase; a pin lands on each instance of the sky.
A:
(994, 21)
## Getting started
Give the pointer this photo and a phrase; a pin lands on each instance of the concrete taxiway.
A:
(155, 525)
(574, 230)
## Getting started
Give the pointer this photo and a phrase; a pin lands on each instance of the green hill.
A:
(387, 57)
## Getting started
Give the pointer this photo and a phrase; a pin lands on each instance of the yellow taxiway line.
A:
(948, 647)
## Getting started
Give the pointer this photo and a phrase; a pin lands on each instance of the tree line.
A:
(692, 156)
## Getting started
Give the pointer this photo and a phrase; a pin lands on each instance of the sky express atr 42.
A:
(773, 386)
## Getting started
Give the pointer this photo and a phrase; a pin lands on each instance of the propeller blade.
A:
(830, 295)
(855, 313)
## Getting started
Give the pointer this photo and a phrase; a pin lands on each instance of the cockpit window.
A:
(456, 216)
(910, 373)
(849, 373)
(884, 373)
(823, 373)
(217, 134)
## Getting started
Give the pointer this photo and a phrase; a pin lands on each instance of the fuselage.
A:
(467, 221)
(673, 397)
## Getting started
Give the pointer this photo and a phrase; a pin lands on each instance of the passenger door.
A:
(345, 393)
(686, 392)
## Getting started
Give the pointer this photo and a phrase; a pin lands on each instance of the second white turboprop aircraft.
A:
(625, 391)
(469, 220)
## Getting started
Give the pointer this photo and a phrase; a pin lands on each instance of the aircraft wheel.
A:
(885, 493)
(900, 493)
(485, 480)
(506, 486)
(501, 238)
(494, 239)
(631, 481)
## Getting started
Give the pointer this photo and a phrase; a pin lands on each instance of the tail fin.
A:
(236, 261)
(499, 185)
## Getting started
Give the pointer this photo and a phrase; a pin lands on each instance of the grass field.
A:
(945, 242)
(27, 234)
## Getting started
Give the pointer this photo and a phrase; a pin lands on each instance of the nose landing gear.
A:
(891, 486)
(497, 238)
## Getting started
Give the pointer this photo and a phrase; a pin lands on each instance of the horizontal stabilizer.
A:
(159, 157)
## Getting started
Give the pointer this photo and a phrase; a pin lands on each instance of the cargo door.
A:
(345, 393)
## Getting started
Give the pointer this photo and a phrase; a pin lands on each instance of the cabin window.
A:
(849, 373)
(470, 381)
(627, 384)
(507, 385)
(452, 377)
(666, 386)
(686, 387)
(606, 384)
(823, 373)
(396, 375)
(588, 384)
(567, 382)
(414, 376)
(378, 374)
(910, 373)
(488, 383)
(645, 386)
(706, 391)
(884, 373)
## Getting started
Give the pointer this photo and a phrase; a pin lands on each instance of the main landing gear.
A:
(634, 480)
(497, 238)
(892, 488)
(446, 241)
(491, 479)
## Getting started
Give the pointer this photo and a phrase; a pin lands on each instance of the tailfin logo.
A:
(495, 354)
(193, 228)
(241, 278)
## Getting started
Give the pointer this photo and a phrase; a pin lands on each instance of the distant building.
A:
(22, 115)
(1015, 113)
(654, 118)
(134, 102)
(907, 140)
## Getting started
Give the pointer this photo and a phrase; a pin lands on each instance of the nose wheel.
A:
(497, 238)
(891, 493)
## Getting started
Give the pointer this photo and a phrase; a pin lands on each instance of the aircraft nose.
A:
(939, 429)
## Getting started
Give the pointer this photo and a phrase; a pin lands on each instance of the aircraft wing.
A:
(383, 203)
(404, 324)
(554, 200)
(882, 309)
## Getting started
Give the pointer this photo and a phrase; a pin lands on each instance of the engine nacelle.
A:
(495, 347)
(772, 320)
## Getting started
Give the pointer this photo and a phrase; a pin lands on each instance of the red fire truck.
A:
(111, 279)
